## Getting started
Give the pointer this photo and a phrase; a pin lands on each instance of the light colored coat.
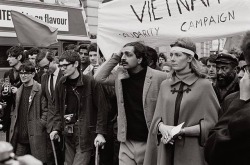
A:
(151, 88)
(198, 106)
(36, 126)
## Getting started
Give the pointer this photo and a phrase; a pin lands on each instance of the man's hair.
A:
(15, 51)
(45, 53)
(71, 57)
(152, 55)
(203, 60)
(92, 47)
(162, 56)
(70, 47)
(27, 66)
(82, 46)
(140, 51)
(211, 58)
(33, 50)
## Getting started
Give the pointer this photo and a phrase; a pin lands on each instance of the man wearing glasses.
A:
(11, 78)
(81, 111)
(47, 62)
(84, 55)
(28, 119)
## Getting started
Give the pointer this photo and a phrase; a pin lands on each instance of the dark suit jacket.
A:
(50, 102)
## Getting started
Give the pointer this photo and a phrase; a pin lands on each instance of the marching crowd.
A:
(60, 108)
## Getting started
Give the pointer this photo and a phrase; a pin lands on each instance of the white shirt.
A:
(55, 75)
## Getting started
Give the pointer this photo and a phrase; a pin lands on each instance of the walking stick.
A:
(54, 151)
(97, 155)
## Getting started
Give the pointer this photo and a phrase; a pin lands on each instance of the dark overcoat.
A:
(50, 102)
(229, 140)
(92, 110)
(36, 126)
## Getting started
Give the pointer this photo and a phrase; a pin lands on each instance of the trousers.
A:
(132, 152)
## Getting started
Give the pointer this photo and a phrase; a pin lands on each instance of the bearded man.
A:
(227, 79)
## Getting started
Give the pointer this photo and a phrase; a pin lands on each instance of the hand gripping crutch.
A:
(54, 151)
(97, 159)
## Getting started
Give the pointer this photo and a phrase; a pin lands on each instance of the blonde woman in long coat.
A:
(186, 97)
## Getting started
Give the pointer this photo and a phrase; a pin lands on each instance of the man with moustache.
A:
(227, 79)
(47, 62)
(137, 87)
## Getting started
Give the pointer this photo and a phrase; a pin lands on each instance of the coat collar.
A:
(147, 83)
(192, 78)
(79, 81)
(33, 92)
(123, 73)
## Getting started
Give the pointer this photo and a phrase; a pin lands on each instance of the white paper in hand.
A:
(176, 129)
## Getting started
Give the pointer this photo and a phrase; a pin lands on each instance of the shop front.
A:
(70, 21)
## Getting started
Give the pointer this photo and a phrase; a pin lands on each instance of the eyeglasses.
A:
(64, 65)
(25, 73)
(44, 67)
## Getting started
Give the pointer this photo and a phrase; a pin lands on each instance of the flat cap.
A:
(227, 59)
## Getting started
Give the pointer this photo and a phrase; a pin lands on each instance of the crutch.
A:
(97, 159)
(54, 151)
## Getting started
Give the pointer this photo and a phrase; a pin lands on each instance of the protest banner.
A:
(160, 22)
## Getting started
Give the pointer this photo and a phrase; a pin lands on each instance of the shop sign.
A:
(57, 19)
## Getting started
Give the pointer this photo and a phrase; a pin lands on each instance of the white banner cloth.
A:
(159, 22)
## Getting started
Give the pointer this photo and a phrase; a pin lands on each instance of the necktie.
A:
(52, 86)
